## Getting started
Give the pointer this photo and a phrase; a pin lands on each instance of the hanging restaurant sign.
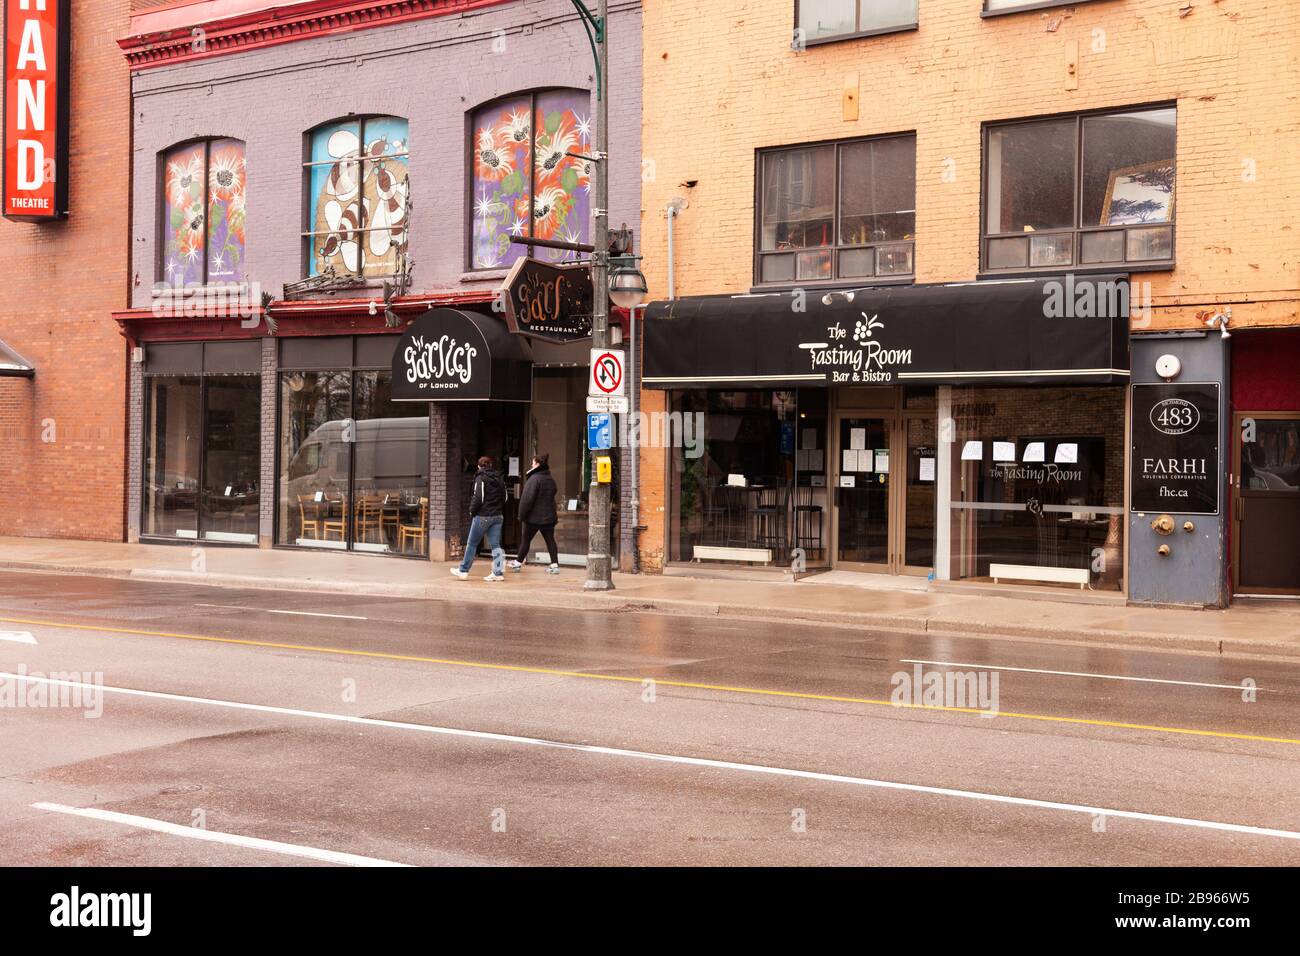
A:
(36, 67)
(549, 302)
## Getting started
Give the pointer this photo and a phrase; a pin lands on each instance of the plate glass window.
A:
(839, 211)
(1085, 190)
(826, 19)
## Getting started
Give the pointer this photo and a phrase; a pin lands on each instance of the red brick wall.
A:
(62, 433)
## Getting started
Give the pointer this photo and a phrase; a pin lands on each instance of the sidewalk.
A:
(1270, 628)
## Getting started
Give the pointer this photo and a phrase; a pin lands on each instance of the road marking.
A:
(664, 682)
(673, 759)
(214, 836)
(18, 637)
(1034, 670)
(267, 610)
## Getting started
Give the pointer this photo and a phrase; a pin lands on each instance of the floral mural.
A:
(523, 182)
(204, 187)
(360, 197)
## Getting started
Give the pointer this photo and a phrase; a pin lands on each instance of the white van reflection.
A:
(387, 464)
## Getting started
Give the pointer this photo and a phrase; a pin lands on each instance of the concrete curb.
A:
(618, 602)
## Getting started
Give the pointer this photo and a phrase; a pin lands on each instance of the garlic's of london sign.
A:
(36, 67)
(456, 355)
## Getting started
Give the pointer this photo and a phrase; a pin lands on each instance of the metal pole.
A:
(599, 565)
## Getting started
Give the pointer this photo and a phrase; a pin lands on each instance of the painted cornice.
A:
(283, 24)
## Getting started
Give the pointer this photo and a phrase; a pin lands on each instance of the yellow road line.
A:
(662, 682)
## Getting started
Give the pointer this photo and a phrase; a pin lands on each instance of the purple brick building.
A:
(309, 179)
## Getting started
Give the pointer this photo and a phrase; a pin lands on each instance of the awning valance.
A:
(454, 355)
(13, 364)
(1051, 330)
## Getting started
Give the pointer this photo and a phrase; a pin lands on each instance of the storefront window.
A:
(358, 197)
(524, 183)
(734, 474)
(354, 465)
(1032, 483)
(202, 457)
(203, 212)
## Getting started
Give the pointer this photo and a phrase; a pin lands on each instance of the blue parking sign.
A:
(600, 431)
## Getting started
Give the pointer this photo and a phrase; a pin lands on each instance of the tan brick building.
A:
(61, 461)
(725, 82)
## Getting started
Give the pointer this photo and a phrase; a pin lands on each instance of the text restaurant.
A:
(968, 432)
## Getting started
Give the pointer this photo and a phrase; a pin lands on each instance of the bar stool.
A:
(769, 519)
(808, 523)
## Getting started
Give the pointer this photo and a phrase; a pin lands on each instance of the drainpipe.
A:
(673, 210)
(634, 436)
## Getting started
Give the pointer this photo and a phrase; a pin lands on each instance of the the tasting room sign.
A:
(36, 58)
(549, 302)
(1176, 457)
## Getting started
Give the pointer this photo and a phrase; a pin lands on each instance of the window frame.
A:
(857, 34)
(160, 227)
(1027, 6)
(1077, 230)
(835, 248)
(307, 236)
(470, 149)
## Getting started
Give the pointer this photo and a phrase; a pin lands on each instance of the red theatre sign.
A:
(36, 58)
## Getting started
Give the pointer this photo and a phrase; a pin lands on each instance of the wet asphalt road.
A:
(337, 724)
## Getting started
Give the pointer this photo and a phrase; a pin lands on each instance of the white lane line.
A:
(676, 759)
(267, 610)
(18, 637)
(1034, 670)
(213, 836)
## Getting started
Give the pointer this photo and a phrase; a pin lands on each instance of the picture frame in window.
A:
(1135, 194)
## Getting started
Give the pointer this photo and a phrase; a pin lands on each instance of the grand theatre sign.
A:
(36, 60)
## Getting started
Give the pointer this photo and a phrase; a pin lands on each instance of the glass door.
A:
(1266, 506)
(316, 441)
(390, 472)
(916, 511)
(862, 478)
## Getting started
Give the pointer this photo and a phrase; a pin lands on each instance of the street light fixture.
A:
(627, 287)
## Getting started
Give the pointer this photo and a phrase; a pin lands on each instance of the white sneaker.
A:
(493, 578)
(553, 569)
(458, 573)
(516, 566)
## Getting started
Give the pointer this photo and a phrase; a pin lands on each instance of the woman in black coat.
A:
(537, 512)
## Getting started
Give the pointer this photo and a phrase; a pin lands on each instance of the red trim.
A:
(293, 319)
(271, 27)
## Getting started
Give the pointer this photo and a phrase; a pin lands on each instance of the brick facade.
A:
(1231, 67)
(62, 433)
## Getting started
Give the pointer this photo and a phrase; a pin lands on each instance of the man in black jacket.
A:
(486, 507)
(537, 512)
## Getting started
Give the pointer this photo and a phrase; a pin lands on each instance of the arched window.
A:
(358, 197)
(522, 182)
(203, 212)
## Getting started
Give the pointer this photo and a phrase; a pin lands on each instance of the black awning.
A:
(449, 355)
(13, 364)
(1054, 330)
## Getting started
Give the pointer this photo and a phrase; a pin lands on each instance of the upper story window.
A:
(835, 19)
(523, 183)
(202, 212)
(1090, 190)
(1013, 6)
(842, 211)
(358, 197)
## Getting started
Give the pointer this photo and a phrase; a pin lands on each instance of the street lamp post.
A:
(599, 563)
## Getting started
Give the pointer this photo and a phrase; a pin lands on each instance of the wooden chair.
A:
(390, 515)
(418, 533)
(336, 524)
(308, 517)
(368, 519)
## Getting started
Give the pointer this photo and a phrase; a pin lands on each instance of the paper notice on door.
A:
(882, 460)
(850, 462)
(972, 451)
(1004, 451)
(848, 481)
(1035, 451)
(514, 468)
(857, 438)
(1067, 453)
(926, 470)
(809, 438)
(816, 459)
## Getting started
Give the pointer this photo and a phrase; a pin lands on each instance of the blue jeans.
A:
(479, 529)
